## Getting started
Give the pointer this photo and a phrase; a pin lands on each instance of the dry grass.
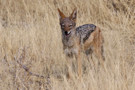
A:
(30, 33)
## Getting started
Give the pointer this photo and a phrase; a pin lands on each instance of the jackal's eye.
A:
(62, 25)
(70, 25)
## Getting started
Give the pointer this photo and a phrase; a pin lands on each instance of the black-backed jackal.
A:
(80, 39)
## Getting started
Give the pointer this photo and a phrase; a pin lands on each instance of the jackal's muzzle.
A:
(67, 33)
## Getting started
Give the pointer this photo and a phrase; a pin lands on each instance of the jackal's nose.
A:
(67, 32)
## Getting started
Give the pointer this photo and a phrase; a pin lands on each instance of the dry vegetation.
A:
(30, 34)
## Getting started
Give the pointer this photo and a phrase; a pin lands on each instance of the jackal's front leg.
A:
(69, 66)
(79, 62)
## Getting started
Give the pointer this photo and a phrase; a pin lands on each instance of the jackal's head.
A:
(68, 23)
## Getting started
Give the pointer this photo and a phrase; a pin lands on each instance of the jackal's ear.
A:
(61, 15)
(73, 15)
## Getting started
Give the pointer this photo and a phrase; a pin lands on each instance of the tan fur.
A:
(95, 41)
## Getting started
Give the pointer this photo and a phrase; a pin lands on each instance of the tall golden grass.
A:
(30, 33)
